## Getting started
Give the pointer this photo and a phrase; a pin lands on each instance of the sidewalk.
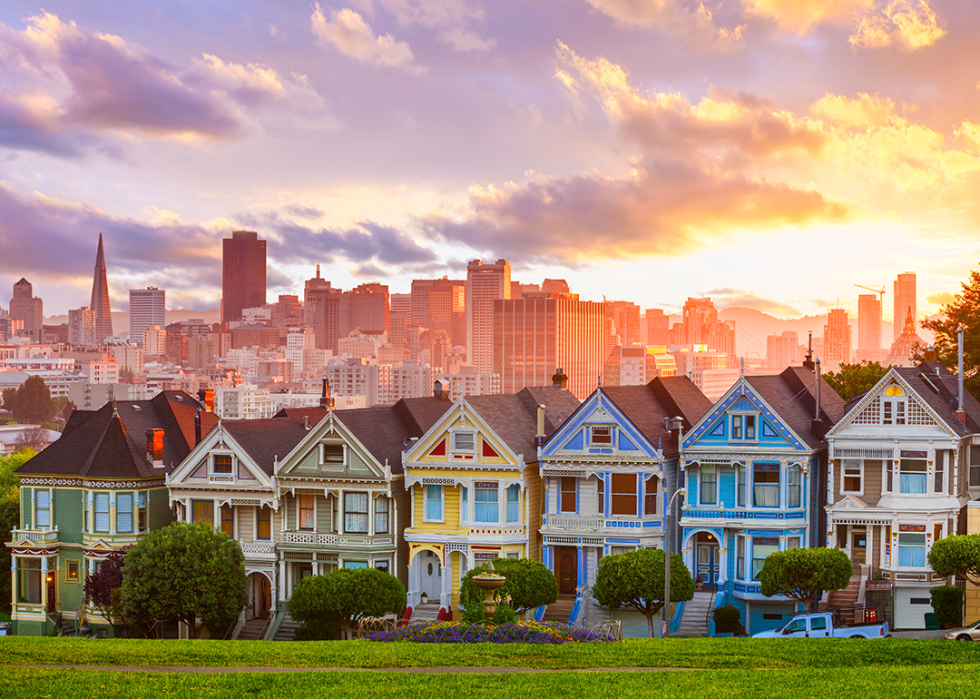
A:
(919, 634)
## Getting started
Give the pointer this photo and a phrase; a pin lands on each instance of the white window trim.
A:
(234, 464)
(506, 502)
(756, 428)
(452, 441)
(700, 485)
(612, 436)
(842, 475)
(425, 500)
(255, 533)
(323, 456)
(299, 510)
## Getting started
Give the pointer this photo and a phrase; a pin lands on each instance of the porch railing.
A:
(41, 536)
(310, 538)
(574, 522)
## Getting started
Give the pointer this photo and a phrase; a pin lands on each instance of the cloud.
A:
(740, 298)
(310, 212)
(463, 40)
(941, 298)
(901, 23)
(433, 14)
(692, 22)
(347, 32)
(798, 16)
(250, 84)
(368, 242)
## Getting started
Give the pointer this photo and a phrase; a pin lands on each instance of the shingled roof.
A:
(111, 442)
(939, 387)
(792, 394)
(266, 440)
(646, 406)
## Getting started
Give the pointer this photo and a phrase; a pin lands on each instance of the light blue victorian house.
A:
(755, 467)
(608, 472)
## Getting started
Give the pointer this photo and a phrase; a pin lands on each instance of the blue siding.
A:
(732, 555)
(726, 487)
(577, 441)
(760, 624)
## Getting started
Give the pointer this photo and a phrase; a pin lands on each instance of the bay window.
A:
(912, 473)
(650, 497)
(624, 494)
(102, 512)
(28, 580)
(601, 495)
(793, 486)
(765, 485)
(740, 559)
(202, 511)
(464, 508)
(761, 548)
(974, 466)
(852, 474)
(513, 503)
(141, 511)
(709, 482)
(740, 470)
(227, 520)
(124, 512)
(307, 508)
(356, 513)
(940, 481)
(486, 503)
(381, 508)
(433, 503)
(912, 550)
(263, 529)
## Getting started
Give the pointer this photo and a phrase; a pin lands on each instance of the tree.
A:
(963, 310)
(9, 519)
(34, 438)
(529, 585)
(803, 573)
(635, 579)
(9, 398)
(957, 555)
(33, 404)
(186, 573)
(9, 483)
(102, 588)
(853, 379)
(345, 596)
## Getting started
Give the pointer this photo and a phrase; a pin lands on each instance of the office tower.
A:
(24, 307)
(783, 350)
(626, 318)
(367, 308)
(539, 333)
(310, 295)
(869, 322)
(81, 327)
(154, 341)
(147, 307)
(287, 310)
(400, 303)
(242, 274)
(420, 302)
(904, 302)
(658, 327)
(485, 284)
(836, 340)
(100, 298)
(702, 327)
(637, 365)
(447, 310)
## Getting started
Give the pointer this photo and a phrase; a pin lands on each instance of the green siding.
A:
(70, 594)
(159, 513)
(68, 514)
(25, 508)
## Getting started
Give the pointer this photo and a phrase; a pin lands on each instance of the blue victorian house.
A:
(755, 469)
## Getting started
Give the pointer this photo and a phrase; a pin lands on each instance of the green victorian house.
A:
(98, 489)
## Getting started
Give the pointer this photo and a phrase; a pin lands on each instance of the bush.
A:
(504, 615)
(727, 619)
(343, 597)
(316, 630)
(524, 632)
(947, 602)
(957, 555)
(803, 573)
(529, 585)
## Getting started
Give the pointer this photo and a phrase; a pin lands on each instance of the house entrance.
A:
(52, 583)
(261, 594)
(707, 558)
(566, 569)
(431, 575)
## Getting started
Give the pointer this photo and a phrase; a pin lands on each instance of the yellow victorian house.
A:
(475, 489)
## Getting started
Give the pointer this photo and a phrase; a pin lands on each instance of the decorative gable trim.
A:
(333, 426)
(741, 393)
(437, 439)
(598, 407)
(186, 474)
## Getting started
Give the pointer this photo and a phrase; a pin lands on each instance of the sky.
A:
(767, 153)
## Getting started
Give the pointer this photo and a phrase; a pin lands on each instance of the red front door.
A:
(567, 571)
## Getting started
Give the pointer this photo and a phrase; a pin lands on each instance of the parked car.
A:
(825, 625)
(965, 633)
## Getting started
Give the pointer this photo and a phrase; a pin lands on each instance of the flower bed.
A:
(461, 632)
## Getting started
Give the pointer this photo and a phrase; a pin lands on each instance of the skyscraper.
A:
(81, 327)
(242, 274)
(30, 310)
(658, 327)
(310, 295)
(485, 283)
(869, 322)
(100, 298)
(783, 350)
(702, 327)
(904, 303)
(626, 321)
(447, 310)
(147, 307)
(836, 340)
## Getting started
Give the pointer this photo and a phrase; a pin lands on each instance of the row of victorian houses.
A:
(426, 489)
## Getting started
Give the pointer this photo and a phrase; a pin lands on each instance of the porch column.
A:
(216, 513)
(447, 582)
(884, 545)
(282, 580)
(316, 566)
(723, 559)
(580, 582)
(869, 532)
(90, 512)
(14, 592)
(44, 582)
(112, 513)
(371, 497)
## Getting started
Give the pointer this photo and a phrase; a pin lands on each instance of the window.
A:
(433, 503)
(793, 486)
(382, 566)
(124, 512)
(464, 508)
(381, 506)
(102, 512)
(912, 473)
(709, 481)
(750, 426)
(939, 484)
(765, 485)
(792, 542)
(228, 520)
(141, 510)
(852, 472)
(893, 406)
(624, 494)
(202, 511)
(818, 623)
(741, 558)
(356, 513)
(761, 548)
(600, 435)
(307, 505)
(42, 507)
(222, 463)
(514, 503)
(29, 580)
(601, 494)
(975, 465)
(741, 485)
(771, 617)
(650, 497)
(568, 501)
(912, 550)
(486, 502)
(264, 529)
(736, 426)
(464, 441)
(72, 574)
(333, 453)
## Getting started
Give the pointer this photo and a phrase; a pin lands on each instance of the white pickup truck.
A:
(824, 625)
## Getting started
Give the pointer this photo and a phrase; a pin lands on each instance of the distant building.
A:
(836, 340)
(27, 309)
(702, 327)
(658, 327)
(243, 274)
(147, 307)
(243, 402)
(312, 291)
(638, 365)
(81, 327)
(905, 293)
(154, 341)
(869, 322)
(783, 350)
(625, 316)
(485, 284)
(467, 381)
(906, 345)
(100, 298)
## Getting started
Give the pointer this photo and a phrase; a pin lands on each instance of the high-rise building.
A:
(539, 333)
(311, 295)
(81, 327)
(367, 309)
(419, 314)
(637, 365)
(626, 319)
(836, 340)
(702, 327)
(242, 274)
(400, 303)
(147, 307)
(904, 302)
(447, 310)
(154, 341)
(783, 350)
(485, 284)
(100, 298)
(869, 322)
(658, 327)
(28, 309)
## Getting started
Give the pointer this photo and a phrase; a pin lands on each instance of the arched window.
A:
(893, 406)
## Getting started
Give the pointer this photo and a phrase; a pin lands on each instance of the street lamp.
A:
(670, 507)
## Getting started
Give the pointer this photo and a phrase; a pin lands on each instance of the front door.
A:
(431, 576)
(708, 563)
(567, 571)
(859, 548)
(52, 584)
(263, 601)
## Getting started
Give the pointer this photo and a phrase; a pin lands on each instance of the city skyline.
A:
(636, 150)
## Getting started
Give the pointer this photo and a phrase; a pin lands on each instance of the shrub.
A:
(727, 619)
(504, 615)
(957, 555)
(345, 596)
(529, 585)
(103, 587)
(524, 632)
(802, 574)
(947, 602)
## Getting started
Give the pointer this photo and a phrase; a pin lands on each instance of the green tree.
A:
(9, 398)
(803, 573)
(635, 579)
(345, 596)
(186, 573)
(957, 555)
(529, 585)
(9, 483)
(963, 310)
(9, 519)
(33, 404)
(853, 379)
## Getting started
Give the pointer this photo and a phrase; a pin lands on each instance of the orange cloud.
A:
(691, 22)
(797, 16)
(900, 23)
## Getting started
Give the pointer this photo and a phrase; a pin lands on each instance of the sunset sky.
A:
(768, 153)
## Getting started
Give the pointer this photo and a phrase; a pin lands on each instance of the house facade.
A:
(904, 463)
(608, 473)
(752, 467)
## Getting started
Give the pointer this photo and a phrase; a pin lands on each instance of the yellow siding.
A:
(535, 497)
(450, 515)
(972, 591)
(448, 472)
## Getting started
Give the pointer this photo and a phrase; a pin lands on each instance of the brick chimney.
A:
(559, 379)
(154, 447)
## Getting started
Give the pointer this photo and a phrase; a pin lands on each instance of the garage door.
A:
(911, 606)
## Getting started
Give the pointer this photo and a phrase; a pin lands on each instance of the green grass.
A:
(892, 682)
(735, 653)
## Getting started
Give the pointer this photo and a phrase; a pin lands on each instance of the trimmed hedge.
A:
(947, 602)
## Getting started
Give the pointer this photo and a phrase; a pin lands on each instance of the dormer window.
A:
(743, 427)
(601, 436)
(893, 406)
(222, 463)
(333, 454)
(464, 442)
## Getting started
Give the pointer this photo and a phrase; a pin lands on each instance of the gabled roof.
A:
(668, 397)
(792, 395)
(266, 440)
(111, 442)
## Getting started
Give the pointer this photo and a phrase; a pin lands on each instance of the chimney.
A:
(559, 380)
(437, 390)
(818, 426)
(154, 447)
(201, 396)
(540, 440)
(306, 422)
(326, 402)
(960, 412)
(930, 354)
(197, 426)
(209, 400)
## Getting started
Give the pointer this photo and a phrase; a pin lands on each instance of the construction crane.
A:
(880, 290)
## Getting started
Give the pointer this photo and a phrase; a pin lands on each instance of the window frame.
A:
(323, 454)
(623, 496)
(356, 497)
(515, 488)
(386, 514)
(120, 512)
(230, 510)
(564, 494)
(755, 574)
(761, 467)
(920, 459)
(600, 499)
(46, 509)
(596, 429)
(209, 503)
(427, 490)
(740, 550)
(259, 519)
(142, 522)
(973, 467)
(912, 546)
(486, 505)
(702, 469)
(300, 509)
(794, 470)
(456, 448)
(107, 514)
(651, 497)
(221, 472)
(843, 476)
(741, 485)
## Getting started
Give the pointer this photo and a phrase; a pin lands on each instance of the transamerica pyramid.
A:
(100, 298)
